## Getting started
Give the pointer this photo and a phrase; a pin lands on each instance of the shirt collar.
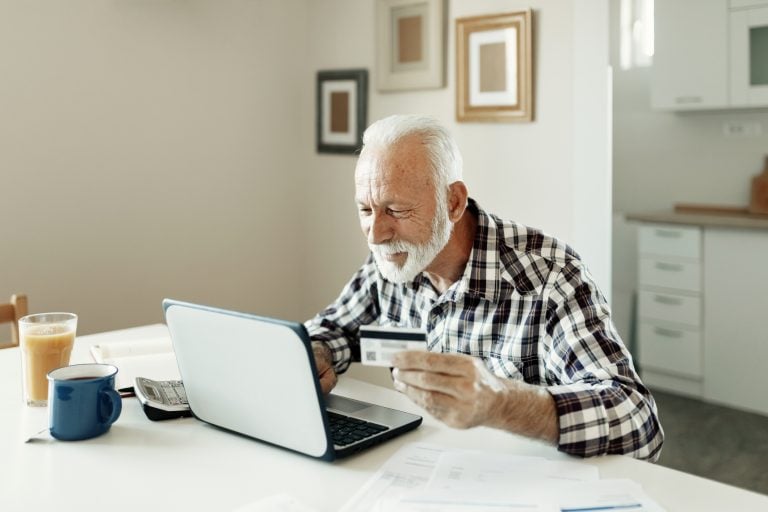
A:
(482, 275)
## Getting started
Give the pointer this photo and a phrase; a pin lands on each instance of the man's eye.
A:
(364, 211)
(395, 213)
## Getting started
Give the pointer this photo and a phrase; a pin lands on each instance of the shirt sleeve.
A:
(602, 405)
(338, 324)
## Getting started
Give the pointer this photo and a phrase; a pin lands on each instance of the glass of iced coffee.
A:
(46, 344)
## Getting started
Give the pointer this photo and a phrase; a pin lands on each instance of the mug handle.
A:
(114, 399)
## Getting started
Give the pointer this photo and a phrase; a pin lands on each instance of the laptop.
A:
(256, 376)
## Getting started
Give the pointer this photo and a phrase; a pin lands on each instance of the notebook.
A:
(256, 376)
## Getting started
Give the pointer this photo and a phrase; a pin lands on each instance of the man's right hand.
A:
(324, 364)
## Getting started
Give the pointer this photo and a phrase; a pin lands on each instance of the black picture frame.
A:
(337, 133)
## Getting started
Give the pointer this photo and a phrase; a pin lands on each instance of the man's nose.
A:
(379, 229)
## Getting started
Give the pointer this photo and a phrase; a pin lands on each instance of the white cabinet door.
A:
(736, 317)
(749, 57)
(690, 62)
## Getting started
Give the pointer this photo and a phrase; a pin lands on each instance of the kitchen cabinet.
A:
(702, 306)
(669, 337)
(736, 313)
(690, 60)
(749, 55)
(710, 54)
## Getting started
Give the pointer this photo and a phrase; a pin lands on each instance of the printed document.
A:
(427, 478)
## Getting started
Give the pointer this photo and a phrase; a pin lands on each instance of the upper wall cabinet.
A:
(710, 54)
(690, 54)
(749, 54)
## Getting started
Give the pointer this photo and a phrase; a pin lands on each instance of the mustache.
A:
(392, 247)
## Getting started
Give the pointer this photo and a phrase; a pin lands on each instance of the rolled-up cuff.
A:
(583, 423)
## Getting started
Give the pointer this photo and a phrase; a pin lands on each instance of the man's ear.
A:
(457, 200)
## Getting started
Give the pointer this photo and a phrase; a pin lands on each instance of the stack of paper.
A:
(152, 358)
(422, 478)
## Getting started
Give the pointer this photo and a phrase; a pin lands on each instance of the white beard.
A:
(418, 256)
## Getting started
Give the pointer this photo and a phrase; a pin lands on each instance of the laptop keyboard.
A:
(346, 430)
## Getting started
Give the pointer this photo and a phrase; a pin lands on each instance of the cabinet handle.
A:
(686, 100)
(663, 299)
(667, 333)
(669, 267)
(668, 233)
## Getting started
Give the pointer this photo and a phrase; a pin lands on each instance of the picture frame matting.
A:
(341, 110)
(494, 67)
(410, 49)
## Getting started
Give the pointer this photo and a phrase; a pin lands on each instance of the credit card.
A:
(379, 343)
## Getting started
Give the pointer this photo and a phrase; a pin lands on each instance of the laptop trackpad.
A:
(340, 403)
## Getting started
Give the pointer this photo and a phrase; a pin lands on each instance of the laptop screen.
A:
(249, 374)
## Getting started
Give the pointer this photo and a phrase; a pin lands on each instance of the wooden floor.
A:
(714, 442)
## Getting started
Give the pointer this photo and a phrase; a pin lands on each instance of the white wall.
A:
(147, 150)
(664, 158)
(592, 138)
(529, 172)
(175, 141)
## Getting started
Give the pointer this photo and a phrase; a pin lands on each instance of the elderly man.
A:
(519, 336)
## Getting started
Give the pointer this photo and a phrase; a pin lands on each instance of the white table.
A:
(187, 465)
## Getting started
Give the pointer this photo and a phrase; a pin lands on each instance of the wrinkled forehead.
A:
(403, 165)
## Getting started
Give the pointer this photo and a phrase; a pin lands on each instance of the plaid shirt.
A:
(527, 306)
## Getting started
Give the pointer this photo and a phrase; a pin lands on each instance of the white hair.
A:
(442, 151)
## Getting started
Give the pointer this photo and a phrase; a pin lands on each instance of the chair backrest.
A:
(10, 313)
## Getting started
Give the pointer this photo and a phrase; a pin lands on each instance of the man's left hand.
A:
(460, 391)
(454, 388)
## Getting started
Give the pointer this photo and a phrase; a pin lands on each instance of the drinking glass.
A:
(46, 344)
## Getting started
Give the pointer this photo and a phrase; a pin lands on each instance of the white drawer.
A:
(679, 309)
(667, 240)
(670, 273)
(667, 349)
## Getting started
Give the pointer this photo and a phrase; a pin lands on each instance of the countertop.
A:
(704, 216)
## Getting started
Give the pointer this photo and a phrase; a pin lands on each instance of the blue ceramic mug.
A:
(82, 401)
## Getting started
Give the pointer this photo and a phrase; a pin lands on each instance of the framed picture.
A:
(410, 44)
(342, 104)
(494, 68)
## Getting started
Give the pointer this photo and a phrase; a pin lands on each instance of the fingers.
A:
(451, 385)
(436, 362)
(324, 364)
(322, 354)
(328, 380)
(434, 402)
(441, 406)
(450, 374)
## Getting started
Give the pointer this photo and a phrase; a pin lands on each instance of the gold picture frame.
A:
(494, 67)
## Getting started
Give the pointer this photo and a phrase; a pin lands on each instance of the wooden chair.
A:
(10, 313)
